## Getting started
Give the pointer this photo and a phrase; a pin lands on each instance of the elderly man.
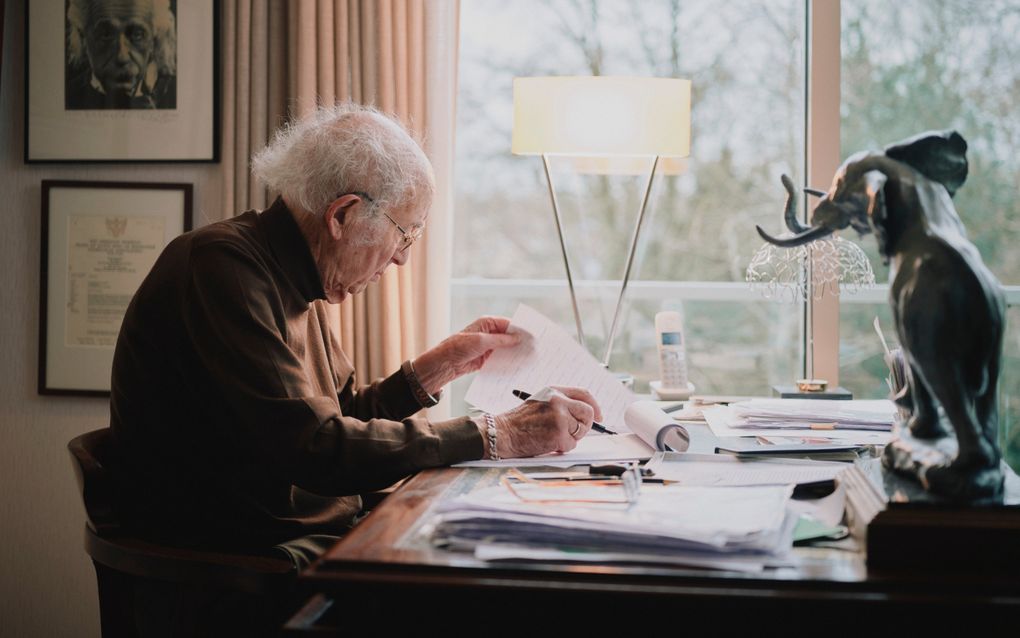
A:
(232, 400)
(121, 54)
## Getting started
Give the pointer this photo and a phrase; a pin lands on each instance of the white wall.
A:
(47, 585)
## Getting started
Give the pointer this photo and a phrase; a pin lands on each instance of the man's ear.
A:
(335, 215)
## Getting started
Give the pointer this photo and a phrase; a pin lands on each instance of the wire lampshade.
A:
(782, 273)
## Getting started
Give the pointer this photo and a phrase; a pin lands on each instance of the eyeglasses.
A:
(407, 238)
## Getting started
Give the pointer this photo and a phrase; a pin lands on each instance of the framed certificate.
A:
(99, 241)
(121, 81)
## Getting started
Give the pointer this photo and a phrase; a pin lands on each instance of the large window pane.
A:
(916, 65)
(745, 60)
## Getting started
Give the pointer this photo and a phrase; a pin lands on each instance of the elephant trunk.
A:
(801, 238)
(790, 213)
(801, 234)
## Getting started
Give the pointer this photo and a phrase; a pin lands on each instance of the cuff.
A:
(397, 399)
(460, 440)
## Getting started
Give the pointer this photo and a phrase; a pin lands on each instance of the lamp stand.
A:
(630, 255)
(563, 247)
(630, 262)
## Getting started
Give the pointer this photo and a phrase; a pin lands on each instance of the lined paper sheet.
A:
(546, 356)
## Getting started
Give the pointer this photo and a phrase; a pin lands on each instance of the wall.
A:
(47, 585)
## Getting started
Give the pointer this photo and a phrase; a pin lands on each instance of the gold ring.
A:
(577, 428)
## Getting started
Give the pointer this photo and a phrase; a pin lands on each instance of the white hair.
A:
(164, 33)
(346, 148)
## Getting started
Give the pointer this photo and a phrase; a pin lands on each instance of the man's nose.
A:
(123, 49)
(401, 256)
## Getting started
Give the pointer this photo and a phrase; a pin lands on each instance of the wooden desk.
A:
(369, 573)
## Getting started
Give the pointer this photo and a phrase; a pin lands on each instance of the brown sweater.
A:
(234, 405)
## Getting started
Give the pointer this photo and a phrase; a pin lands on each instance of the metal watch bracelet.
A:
(424, 399)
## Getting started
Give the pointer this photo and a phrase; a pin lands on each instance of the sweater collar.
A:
(291, 250)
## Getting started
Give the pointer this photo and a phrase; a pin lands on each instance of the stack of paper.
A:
(814, 413)
(706, 470)
(741, 528)
(865, 422)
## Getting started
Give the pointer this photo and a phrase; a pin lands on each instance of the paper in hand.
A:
(546, 356)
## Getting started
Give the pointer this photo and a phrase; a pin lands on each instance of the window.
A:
(948, 64)
(746, 63)
(905, 67)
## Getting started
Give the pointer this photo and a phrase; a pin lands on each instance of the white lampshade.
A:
(602, 116)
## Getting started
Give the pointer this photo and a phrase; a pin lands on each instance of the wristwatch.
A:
(424, 399)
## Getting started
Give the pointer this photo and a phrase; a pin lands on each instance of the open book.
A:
(548, 356)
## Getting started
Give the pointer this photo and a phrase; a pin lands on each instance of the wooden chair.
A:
(125, 563)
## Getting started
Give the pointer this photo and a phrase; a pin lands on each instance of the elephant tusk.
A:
(808, 235)
(790, 214)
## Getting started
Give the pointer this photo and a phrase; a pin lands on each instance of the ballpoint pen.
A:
(595, 425)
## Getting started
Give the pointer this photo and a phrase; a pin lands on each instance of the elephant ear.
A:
(940, 156)
(874, 190)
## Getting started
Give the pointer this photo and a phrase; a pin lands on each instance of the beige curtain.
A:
(254, 93)
(283, 59)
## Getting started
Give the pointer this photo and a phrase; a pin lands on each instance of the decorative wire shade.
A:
(781, 273)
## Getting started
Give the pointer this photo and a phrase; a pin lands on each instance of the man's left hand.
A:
(463, 352)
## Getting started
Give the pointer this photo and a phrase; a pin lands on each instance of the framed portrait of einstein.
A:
(121, 81)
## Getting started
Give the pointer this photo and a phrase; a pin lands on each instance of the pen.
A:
(595, 425)
(614, 469)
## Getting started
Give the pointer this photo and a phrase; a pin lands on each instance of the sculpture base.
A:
(918, 537)
(924, 471)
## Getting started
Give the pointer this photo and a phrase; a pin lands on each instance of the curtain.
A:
(283, 59)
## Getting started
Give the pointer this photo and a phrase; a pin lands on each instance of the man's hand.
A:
(540, 427)
(462, 352)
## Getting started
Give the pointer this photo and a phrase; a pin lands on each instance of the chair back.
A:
(109, 544)
(90, 454)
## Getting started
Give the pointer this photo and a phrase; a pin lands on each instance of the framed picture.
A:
(99, 241)
(114, 81)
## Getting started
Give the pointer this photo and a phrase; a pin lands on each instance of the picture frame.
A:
(155, 99)
(98, 242)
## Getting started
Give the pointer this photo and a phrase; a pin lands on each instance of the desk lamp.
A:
(807, 273)
(602, 117)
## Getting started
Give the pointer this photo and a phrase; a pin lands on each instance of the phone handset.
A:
(673, 383)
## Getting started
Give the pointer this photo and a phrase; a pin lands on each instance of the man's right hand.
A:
(540, 427)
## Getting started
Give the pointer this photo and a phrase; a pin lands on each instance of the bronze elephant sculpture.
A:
(949, 309)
